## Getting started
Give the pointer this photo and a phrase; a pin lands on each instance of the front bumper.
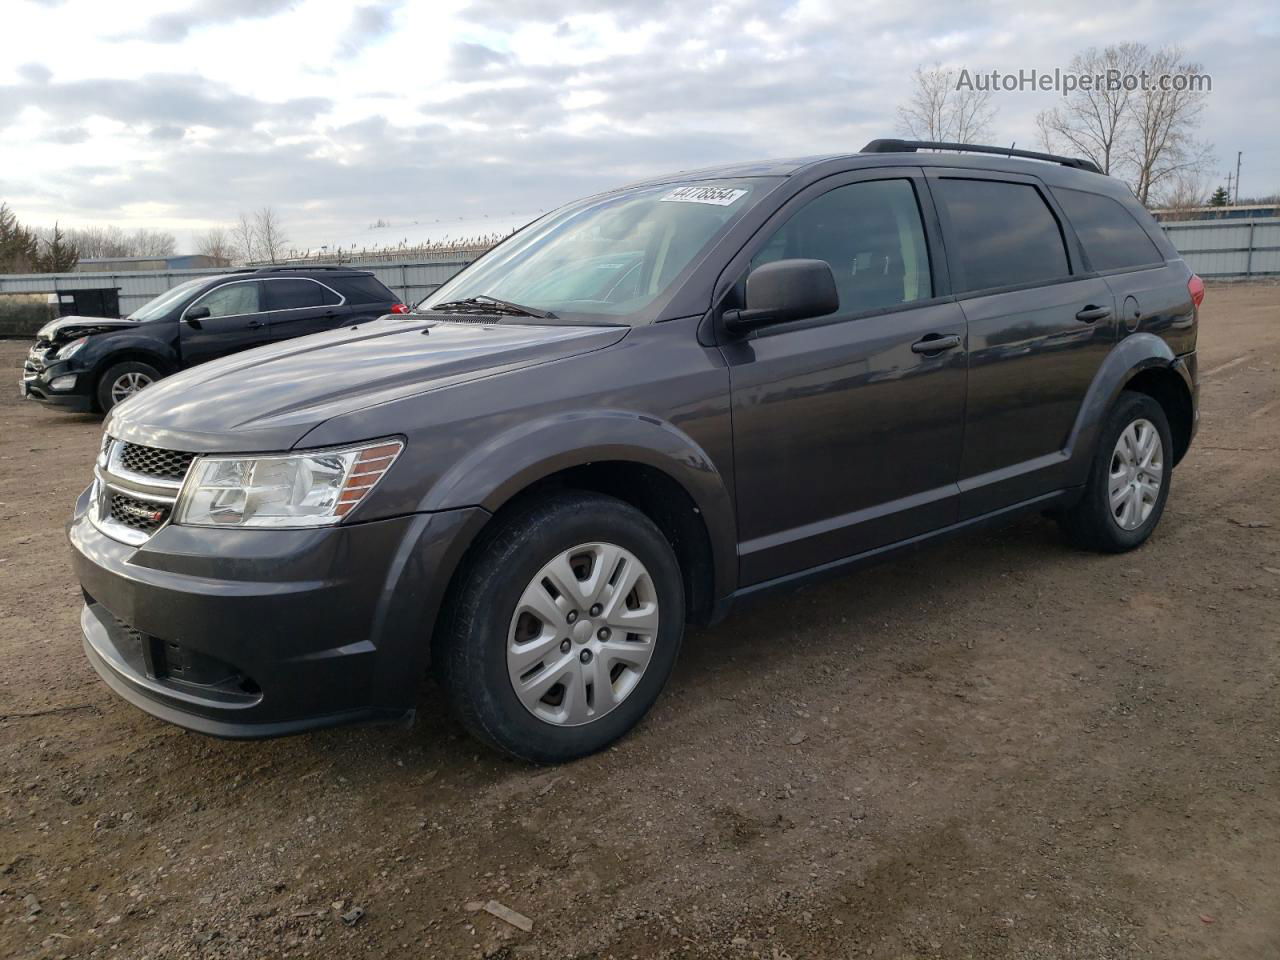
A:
(260, 633)
(37, 384)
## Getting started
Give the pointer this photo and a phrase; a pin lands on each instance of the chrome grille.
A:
(144, 516)
(135, 489)
(151, 462)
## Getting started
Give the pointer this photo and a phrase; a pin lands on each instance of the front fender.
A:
(156, 352)
(1128, 358)
(491, 474)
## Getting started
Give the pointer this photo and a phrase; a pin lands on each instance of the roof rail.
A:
(297, 266)
(911, 146)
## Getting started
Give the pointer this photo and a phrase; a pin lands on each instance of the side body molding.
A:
(491, 474)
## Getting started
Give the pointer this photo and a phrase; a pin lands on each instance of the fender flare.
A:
(1128, 358)
(492, 474)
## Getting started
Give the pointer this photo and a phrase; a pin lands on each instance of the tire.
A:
(502, 605)
(112, 383)
(1097, 522)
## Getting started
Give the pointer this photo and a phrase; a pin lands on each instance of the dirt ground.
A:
(998, 747)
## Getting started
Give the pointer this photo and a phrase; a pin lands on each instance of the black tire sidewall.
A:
(114, 372)
(1130, 407)
(477, 667)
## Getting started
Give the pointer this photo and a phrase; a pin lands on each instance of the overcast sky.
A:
(338, 115)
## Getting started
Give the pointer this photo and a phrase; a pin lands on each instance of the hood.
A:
(269, 398)
(68, 328)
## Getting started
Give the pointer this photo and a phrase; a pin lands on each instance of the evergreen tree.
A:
(59, 256)
(19, 249)
(1219, 198)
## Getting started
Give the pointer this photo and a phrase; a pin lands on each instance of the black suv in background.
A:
(91, 363)
(632, 413)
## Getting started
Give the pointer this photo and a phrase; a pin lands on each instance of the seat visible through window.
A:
(871, 236)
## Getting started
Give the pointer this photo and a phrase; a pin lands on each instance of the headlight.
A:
(312, 489)
(71, 348)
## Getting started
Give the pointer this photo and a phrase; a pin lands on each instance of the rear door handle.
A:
(256, 324)
(935, 343)
(1091, 313)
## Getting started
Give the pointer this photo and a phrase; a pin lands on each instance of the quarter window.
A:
(1111, 236)
(870, 234)
(999, 234)
(233, 300)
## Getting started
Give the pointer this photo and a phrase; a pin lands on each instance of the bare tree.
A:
(243, 238)
(940, 109)
(1165, 117)
(216, 243)
(152, 243)
(1183, 194)
(1095, 123)
(269, 235)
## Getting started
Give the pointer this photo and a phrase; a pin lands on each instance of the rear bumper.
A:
(261, 633)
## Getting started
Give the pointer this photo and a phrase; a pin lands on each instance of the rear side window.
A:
(292, 294)
(1112, 238)
(365, 289)
(1000, 234)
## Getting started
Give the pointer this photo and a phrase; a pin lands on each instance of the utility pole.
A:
(1239, 154)
(1228, 184)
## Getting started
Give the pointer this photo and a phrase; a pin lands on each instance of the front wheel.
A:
(122, 380)
(565, 628)
(1128, 481)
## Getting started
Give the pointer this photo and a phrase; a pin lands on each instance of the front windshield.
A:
(609, 259)
(154, 309)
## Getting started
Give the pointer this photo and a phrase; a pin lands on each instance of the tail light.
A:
(401, 308)
(1195, 286)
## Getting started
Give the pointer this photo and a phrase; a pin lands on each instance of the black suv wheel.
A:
(565, 629)
(1128, 481)
(122, 380)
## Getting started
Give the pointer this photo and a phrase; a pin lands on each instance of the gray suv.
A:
(638, 409)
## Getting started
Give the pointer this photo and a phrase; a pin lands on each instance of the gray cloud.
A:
(465, 58)
(35, 72)
(68, 135)
(174, 27)
(156, 100)
(368, 24)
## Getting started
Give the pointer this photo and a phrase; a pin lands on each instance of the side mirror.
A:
(783, 291)
(196, 314)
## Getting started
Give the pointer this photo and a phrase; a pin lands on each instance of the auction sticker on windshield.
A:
(719, 196)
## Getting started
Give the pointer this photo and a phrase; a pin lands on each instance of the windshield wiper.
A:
(487, 304)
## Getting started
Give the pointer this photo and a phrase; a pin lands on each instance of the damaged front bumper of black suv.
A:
(248, 633)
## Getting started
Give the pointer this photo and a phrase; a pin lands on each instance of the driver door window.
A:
(233, 300)
(871, 236)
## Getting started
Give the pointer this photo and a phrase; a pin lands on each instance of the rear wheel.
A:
(123, 380)
(1128, 481)
(565, 628)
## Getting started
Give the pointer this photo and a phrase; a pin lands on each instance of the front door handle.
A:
(256, 324)
(935, 343)
(1091, 313)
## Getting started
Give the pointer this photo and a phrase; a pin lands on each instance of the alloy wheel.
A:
(127, 384)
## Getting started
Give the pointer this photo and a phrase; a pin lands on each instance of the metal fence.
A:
(1228, 249)
(411, 281)
(1215, 249)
